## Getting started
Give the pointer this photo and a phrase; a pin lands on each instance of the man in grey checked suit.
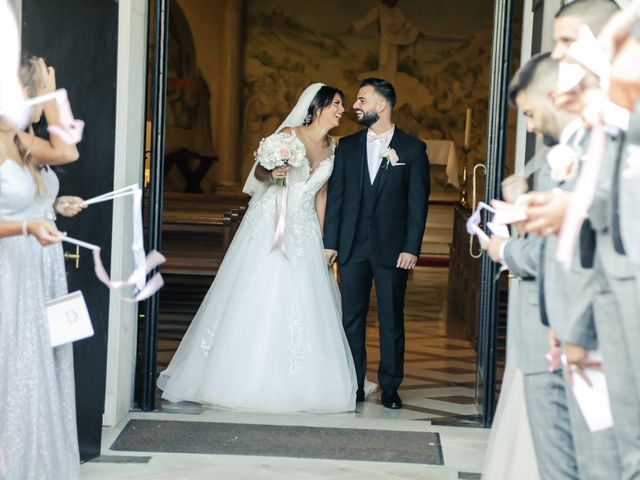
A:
(545, 395)
(572, 321)
(616, 307)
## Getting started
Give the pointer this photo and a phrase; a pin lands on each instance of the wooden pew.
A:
(197, 231)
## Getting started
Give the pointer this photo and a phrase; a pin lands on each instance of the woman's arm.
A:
(45, 233)
(321, 205)
(55, 151)
(262, 173)
(265, 175)
(52, 152)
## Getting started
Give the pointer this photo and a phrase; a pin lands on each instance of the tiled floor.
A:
(439, 385)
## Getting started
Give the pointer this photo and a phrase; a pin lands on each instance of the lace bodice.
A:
(303, 185)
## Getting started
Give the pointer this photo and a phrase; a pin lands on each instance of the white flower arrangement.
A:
(390, 157)
(279, 150)
(563, 161)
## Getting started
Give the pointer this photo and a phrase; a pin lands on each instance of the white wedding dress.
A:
(268, 336)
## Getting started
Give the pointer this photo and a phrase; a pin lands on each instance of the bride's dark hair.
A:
(322, 100)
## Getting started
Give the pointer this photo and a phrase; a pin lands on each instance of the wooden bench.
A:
(197, 231)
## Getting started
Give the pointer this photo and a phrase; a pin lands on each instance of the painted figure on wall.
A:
(264, 109)
(394, 31)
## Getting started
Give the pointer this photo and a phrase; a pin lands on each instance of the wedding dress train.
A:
(510, 453)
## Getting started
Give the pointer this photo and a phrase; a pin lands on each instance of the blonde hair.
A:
(30, 78)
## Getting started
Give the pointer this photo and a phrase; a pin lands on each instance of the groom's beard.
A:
(368, 118)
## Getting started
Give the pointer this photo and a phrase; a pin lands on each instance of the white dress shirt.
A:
(376, 143)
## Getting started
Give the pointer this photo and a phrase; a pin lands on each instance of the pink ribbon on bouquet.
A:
(278, 239)
(582, 197)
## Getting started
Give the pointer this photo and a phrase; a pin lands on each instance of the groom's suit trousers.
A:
(356, 276)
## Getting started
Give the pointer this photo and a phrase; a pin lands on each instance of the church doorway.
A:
(223, 74)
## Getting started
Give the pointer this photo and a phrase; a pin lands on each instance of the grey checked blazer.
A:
(569, 294)
(629, 194)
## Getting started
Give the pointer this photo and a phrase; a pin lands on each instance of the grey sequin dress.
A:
(38, 439)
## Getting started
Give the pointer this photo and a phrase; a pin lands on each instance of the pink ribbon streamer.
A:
(151, 261)
(156, 282)
(143, 263)
(582, 197)
(70, 130)
(278, 239)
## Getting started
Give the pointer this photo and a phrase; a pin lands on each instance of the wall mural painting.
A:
(436, 53)
(189, 147)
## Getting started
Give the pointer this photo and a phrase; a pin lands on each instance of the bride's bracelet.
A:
(25, 229)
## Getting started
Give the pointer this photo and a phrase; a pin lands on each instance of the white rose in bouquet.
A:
(279, 150)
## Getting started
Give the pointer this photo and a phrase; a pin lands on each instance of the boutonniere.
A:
(563, 161)
(390, 157)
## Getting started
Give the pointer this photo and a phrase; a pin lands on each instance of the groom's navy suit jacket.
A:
(399, 194)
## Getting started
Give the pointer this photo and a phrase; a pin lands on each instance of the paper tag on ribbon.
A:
(507, 213)
(593, 400)
(68, 319)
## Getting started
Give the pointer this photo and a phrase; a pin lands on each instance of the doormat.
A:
(280, 441)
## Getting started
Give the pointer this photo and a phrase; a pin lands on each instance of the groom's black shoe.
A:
(360, 395)
(391, 399)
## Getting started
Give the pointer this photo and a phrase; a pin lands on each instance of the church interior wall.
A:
(438, 57)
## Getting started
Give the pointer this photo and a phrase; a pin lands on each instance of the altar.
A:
(443, 152)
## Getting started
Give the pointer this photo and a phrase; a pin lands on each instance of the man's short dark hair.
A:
(383, 88)
(527, 73)
(592, 13)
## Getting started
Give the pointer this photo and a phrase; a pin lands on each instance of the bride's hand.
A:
(330, 255)
(279, 173)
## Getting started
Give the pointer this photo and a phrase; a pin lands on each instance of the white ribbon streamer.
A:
(143, 263)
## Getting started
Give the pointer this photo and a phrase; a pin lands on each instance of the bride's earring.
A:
(307, 119)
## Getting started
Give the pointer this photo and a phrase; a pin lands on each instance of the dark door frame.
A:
(145, 396)
(497, 141)
(497, 138)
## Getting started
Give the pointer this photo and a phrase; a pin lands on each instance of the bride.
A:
(268, 336)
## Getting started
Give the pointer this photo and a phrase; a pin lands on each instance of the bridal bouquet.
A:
(279, 150)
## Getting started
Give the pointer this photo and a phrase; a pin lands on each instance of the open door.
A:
(486, 312)
(79, 39)
(497, 141)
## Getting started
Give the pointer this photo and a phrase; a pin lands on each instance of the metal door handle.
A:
(474, 202)
(74, 256)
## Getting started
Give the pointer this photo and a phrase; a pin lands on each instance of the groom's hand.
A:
(331, 256)
(407, 261)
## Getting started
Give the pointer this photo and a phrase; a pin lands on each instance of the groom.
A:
(375, 219)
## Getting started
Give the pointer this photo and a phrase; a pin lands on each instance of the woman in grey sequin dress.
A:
(38, 438)
(37, 401)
